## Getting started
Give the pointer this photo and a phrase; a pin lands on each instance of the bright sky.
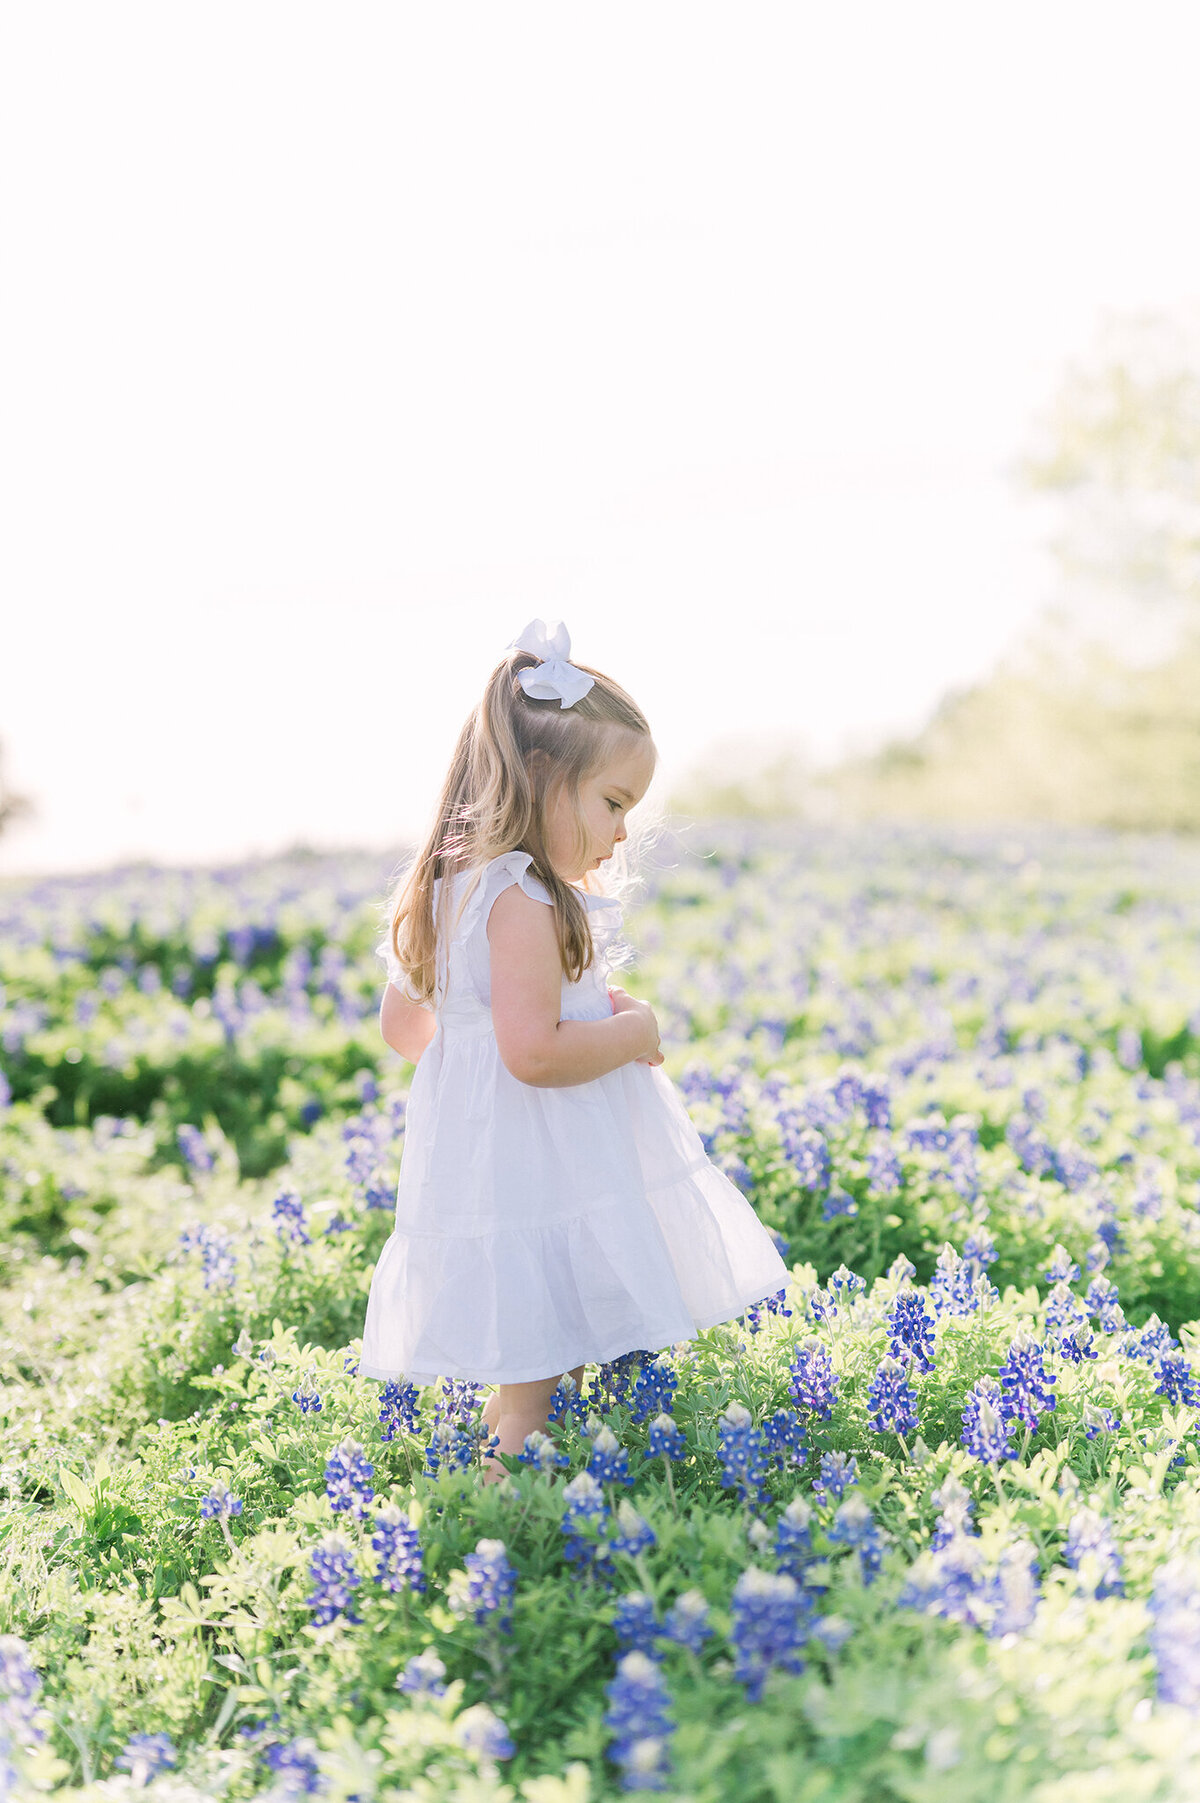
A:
(339, 343)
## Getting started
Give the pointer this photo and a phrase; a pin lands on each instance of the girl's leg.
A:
(515, 1410)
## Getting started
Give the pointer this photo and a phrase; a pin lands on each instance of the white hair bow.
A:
(554, 678)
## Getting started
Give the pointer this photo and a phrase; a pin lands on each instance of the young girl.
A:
(556, 1207)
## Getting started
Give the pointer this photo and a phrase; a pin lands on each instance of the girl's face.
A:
(605, 797)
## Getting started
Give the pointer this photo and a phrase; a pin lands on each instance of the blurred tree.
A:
(12, 807)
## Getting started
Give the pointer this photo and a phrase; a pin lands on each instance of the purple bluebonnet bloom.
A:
(1093, 1553)
(145, 1755)
(667, 1439)
(541, 1452)
(638, 1724)
(331, 1567)
(1025, 1380)
(216, 1246)
(884, 1175)
(1152, 1340)
(854, 1525)
(770, 1620)
(846, 1284)
(653, 1388)
(295, 1763)
(220, 1501)
(1013, 1590)
(839, 1471)
(287, 1211)
(307, 1396)
(1065, 1312)
(481, 1730)
(891, 1400)
(687, 1622)
(1175, 1380)
(1129, 1047)
(20, 1685)
(956, 1505)
(484, 1590)
(1101, 1301)
(784, 1435)
(1174, 1635)
(773, 1305)
(398, 1407)
(808, 1154)
(1099, 1420)
(348, 1474)
(585, 1503)
(948, 1580)
(454, 1446)
(793, 1538)
(423, 1675)
(956, 1288)
(911, 1327)
(609, 1461)
(813, 1381)
(821, 1305)
(742, 1452)
(632, 1534)
(985, 1427)
(401, 1559)
(1062, 1267)
(194, 1147)
(636, 1625)
(567, 1401)
(838, 1202)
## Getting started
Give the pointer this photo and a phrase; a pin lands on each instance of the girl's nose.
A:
(620, 833)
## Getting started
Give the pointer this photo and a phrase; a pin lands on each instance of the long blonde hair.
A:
(511, 752)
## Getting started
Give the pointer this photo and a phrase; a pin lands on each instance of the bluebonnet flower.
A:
(638, 1723)
(348, 1476)
(884, 1175)
(813, 1381)
(636, 1625)
(667, 1439)
(481, 1730)
(308, 1396)
(609, 1461)
(454, 1446)
(846, 1283)
(541, 1452)
(742, 1453)
(632, 1534)
(287, 1211)
(687, 1622)
(808, 1154)
(401, 1559)
(911, 1327)
(194, 1147)
(891, 1400)
(956, 1288)
(485, 1589)
(875, 1100)
(1064, 1310)
(1129, 1047)
(854, 1525)
(216, 1247)
(459, 1400)
(423, 1675)
(1150, 1341)
(770, 1616)
(1101, 1301)
(1091, 1551)
(838, 1472)
(1099, 1420)
(1035, 1153)
(331, 1567)
(616, 1375)
(838, 1202)
(1175, 1380)
(567, 1400)
(398, 1407)
(793, 1538)
(145, 1755)
(784, 1436)
(1174, 1636)
(773, 1305)
(1013, 1590)
(821, 1305)
(948, 1581)
(1025, 1380)
(956, 1505)
(653, 1388)
(296, 1765)
(584, 1503)
(985, 1427)
(20, 1685)
(1062, 1267)
(220, 1501)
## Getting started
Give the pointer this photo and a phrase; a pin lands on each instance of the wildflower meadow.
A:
(924, 1525)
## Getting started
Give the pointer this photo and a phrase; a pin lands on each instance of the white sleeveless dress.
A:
(538, 1229)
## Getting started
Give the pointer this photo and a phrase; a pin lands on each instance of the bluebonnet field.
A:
(924, 1525)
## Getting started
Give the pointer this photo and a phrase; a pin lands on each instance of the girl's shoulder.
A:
(482, 883)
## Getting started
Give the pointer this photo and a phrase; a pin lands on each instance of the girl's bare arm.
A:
(406, 1026)
(526, 984)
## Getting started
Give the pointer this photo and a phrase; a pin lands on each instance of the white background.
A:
(339, 343)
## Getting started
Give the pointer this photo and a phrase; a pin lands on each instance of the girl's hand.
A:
(624, 1003)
